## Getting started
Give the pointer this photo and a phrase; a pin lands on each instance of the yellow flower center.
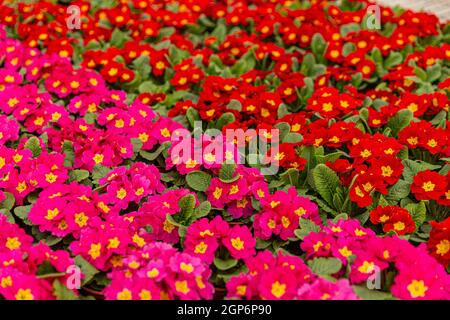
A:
(399, 226)
(13, 243)
(182, 286)
(24, 294)
(125, 294)
(278, 289)
(366, 267)
(428, 186)
(94, 251)
(51, 214)
(443, 247)
(386, 171)
(237, 243)
(417, 289)
(186, 267)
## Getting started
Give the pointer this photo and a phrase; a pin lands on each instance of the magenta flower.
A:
(240, 242)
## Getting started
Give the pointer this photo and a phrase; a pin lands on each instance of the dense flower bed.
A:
(90, 119)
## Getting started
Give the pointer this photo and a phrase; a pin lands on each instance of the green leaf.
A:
(9, 201)
(316, 71)
(309, 153)
(290, 176)
(137, 144)
(341, 216)
(306, 227)
(382, 202)
(348, 28)
(326, 182)
(445, 170)
(393, 60)
(99, 172)
(90, 117)
(400, 120)
(62, 292)
(88, 270)
(293, 137)
(338, 199)
(224, 265)
(34, 146)
(284, 128)
(118, 38)
(318, 45)
(51, 240)
(399, 191)
(67, 150)
(187, 205)
(330, 157)
(202, 210)
(8, 215)
(262, 244)
(150, 156)
(376, 55)
(220, 31)
(225, 119)
(198, 180)
(348, 48)
(357, 78)
(148, 86)
(78, 175)
(307, 63)
(192, 116)
(413, 167)
(227, 171)
(234, 105)
(325, 207)
(363, 217)
(46, 269)
(418, 212)
(177, 55)
(244, 64)
(171, 219)
(434, 73)
(282, 111)
(367, 294)
(421, 75)
(439, 119)
(325, 266)
(142, 66)
(404, 153)
(22, 212)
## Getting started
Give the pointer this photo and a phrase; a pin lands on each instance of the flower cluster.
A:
(285, 277)
(124, 186)
(27, 271)
(204, 238)
(439, 242)
(65, 209)
(418, 276)
(237, 192)
(393, 218)
(281, 212)
(159, 271)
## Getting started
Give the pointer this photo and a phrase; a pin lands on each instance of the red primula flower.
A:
(439, 242)
(393, 218)
(428, 185)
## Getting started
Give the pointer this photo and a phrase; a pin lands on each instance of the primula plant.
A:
(119, 179)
